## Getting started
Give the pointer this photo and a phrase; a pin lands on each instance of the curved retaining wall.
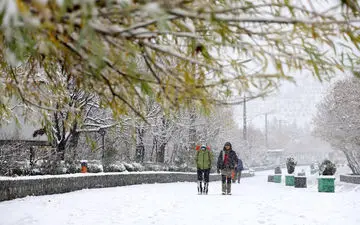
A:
(11, 188)
(355, 179)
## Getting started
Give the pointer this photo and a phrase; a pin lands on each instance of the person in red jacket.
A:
(227, 161)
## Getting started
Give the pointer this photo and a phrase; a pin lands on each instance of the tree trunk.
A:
(140, 148)
(32, 156)
(154, 147)
(350, 160)
(73, 142)
(355, 162)
(174, 153)
(160, 155)
(60, 150)
(128, 146)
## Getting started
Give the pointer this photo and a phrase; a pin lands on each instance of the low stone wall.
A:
(355, 179)
(11, 188)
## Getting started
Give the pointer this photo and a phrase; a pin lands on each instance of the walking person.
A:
(239, 169)
(203, 159)
(227, 161)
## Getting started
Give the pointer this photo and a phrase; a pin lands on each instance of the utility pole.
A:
(266, 131)
(244, 121)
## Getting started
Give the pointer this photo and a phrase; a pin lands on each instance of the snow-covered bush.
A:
(153, 167)
(174, 168)
(183, 167)
(20, 168)
(62, 168)
(129, 167)
(138, 167)
(95, 168)
(165, 168)
(74, 168)
(36, 171)
(36, 168)
(115, 167)
(290, 165)
(327, 168)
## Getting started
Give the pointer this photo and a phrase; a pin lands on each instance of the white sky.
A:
(292, 102)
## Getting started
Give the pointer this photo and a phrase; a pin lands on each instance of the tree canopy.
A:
(180, 52)
(338, 119)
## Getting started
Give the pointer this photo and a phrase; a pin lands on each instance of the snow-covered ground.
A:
(254, 201)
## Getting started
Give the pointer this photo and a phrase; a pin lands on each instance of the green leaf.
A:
(316, 70)
(356, 74)
(355, 40)
(279, 66)
(146, 89)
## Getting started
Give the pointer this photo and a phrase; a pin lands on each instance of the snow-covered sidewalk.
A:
(254, 201)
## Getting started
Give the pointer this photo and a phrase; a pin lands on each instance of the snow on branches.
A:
(337, 120)
(220, 48)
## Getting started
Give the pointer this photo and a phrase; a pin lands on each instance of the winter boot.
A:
(228, 189)
(223, 187)
(206, 188)
(200, 189)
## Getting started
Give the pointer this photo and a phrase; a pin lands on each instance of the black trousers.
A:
(226, 179)
(203, 173)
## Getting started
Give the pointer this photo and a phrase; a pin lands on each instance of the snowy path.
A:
(254, 201)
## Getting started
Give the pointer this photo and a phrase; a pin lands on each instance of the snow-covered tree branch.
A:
(99, 42)
(338, 120)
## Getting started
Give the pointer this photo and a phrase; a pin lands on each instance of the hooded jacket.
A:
(232, 158)
(203, 159)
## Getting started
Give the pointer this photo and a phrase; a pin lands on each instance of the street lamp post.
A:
(266, 125)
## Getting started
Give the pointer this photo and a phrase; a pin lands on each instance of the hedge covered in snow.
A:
(41, 167)
(17, 187)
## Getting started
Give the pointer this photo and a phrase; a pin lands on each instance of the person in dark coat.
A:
(239, 168)
(227, 161)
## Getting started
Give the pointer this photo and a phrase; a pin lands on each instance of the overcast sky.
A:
(293, 102)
